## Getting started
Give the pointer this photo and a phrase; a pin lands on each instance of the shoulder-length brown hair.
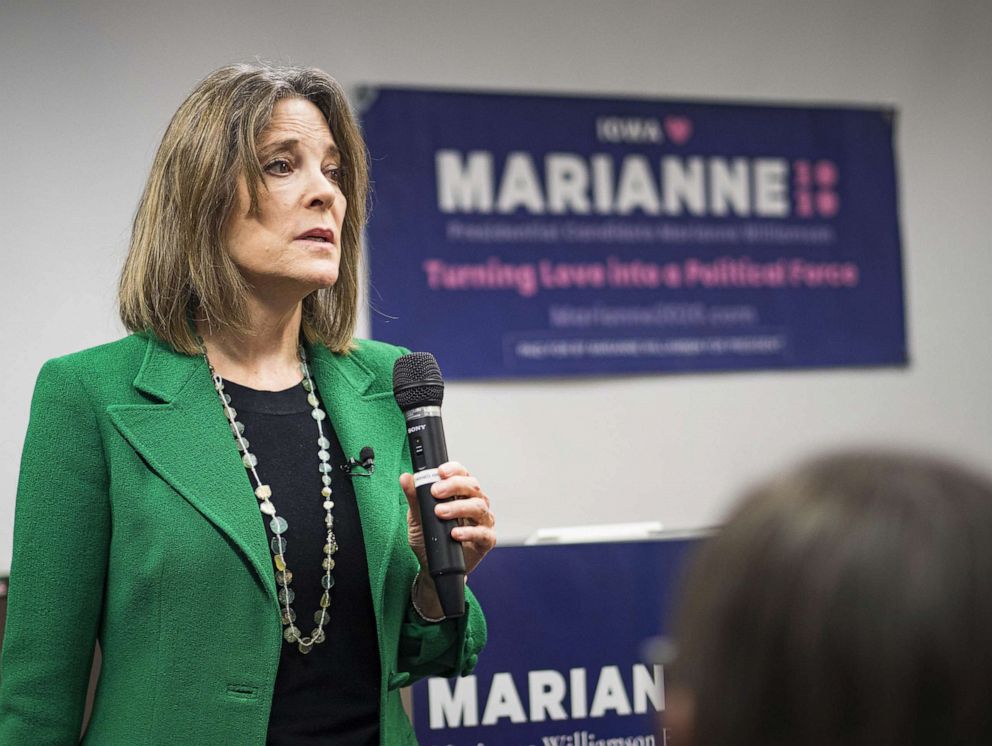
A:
(177, 266)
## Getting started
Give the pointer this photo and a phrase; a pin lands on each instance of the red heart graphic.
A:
(678, 129)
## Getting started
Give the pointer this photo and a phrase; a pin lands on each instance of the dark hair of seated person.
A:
(847, 603)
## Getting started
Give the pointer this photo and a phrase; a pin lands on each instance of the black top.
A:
(330, 695)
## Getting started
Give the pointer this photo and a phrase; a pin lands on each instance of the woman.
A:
(181, 498)
(847, 602)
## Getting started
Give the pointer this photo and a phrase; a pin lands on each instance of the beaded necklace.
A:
(278, 524)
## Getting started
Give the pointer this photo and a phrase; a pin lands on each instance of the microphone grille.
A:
(417, 381)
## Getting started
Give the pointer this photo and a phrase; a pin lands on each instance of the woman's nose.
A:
(321, 190)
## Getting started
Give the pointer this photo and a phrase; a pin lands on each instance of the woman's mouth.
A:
(317, 235)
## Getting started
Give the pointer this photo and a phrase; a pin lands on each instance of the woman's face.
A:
(293, 245)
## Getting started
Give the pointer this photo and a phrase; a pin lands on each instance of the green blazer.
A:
(136, 525)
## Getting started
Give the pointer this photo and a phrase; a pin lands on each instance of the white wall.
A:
(86, 91)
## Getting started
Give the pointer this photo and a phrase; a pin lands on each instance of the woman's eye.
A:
(334, 173)
(278, 166)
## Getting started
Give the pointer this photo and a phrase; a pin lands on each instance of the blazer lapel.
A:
(365, 416)
(186, 439)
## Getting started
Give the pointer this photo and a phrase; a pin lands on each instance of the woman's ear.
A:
(676, 724)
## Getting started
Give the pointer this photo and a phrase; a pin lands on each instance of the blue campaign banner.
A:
(564, 665)
(525, 235)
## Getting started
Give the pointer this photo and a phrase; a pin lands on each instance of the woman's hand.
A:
(476, 532)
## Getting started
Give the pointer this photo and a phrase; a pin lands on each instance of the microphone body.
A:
(419, 390)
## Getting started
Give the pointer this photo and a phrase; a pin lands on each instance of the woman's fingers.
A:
(481, 537)
(471, 509)
(457, 487)
(474, 509)
(410, 490)
(452, 469)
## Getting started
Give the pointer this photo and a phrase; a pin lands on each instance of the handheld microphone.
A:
(419, 390)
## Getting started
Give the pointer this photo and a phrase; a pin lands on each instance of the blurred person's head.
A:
(846, 603)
